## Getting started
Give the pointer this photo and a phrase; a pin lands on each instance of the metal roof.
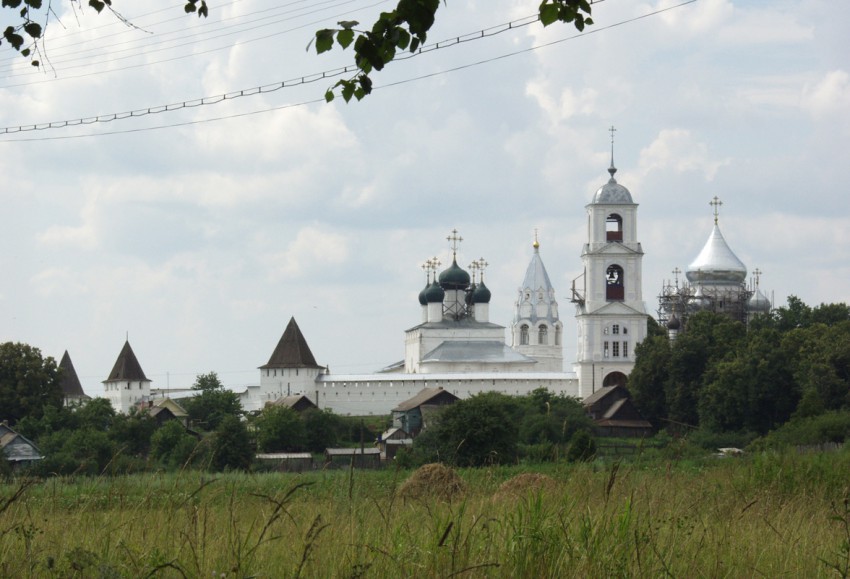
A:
(491, 352)
(716, 263)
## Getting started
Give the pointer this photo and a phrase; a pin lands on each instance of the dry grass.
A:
(525, 484)
(433, 481)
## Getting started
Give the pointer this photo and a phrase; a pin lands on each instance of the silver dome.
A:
(716, 263)
(758, 304)
(612, 193)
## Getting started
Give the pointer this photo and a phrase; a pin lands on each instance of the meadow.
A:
(768, 514)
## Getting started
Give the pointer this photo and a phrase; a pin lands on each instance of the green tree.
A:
(28, 382)
(132, 433)
(173, 446)
(213, 404)
(648, 379)
(279, 428)
(323, 429)
(476, 431)
(582, 447)
(231, 445)
(405, 28)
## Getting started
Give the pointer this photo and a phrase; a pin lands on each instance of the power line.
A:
(278, 86)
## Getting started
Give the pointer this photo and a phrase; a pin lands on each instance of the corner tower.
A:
(536, 330)
(610, 311)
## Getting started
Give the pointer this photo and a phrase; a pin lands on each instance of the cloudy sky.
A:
(199, 232)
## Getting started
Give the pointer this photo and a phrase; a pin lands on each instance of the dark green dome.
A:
(481, 295)
(454, 278)
(434, 294)
(422, 299)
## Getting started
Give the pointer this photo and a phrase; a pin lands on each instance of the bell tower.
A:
(610, 312)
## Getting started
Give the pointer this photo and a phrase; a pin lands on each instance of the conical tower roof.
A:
(71, 386)
(537, 282)
(716, 263)
(292, 350)
(127, 367)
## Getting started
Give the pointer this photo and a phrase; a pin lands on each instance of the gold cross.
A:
(716, 203)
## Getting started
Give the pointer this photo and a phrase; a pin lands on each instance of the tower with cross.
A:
(610, 312)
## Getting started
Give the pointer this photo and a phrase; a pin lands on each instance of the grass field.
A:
(770, 515)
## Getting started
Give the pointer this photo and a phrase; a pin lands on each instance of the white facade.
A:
(610, 312)
(125, 394)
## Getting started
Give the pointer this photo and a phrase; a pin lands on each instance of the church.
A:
(455, 346)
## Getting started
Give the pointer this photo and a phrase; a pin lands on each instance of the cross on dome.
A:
(716, 202)
(454, 238)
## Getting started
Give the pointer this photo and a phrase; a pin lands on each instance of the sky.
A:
(199, 232)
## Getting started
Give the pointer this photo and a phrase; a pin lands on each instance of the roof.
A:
(463, 323)
(716, 263)
(612, 193)
(17, 447)
(71, 386)
(623, 423)
(489, 351)
(127, 367)
(294, 401)
(423, 397)
(285, 456)
(352, 451)
(176, 409)
(292, 350)
(537, 281)
(599, 395)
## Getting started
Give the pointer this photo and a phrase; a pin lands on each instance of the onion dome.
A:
(716, 263)
(758, 303)
(481, 295)
(612, 193)
(673, 323)
(434, 293)
(454, 278)
(423, 300)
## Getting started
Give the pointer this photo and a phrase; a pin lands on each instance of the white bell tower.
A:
(610, 311)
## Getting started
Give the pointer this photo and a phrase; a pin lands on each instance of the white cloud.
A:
(679, 151)
(312, 250)
(829, 98)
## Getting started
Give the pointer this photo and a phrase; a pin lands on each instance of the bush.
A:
(828, 427)
(582, 447)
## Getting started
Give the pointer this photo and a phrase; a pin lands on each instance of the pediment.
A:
(618, 309)
(617, 249)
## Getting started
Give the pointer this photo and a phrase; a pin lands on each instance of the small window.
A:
(557, 336)
(625, 330)
(605, 350)
(615, 329)
(625, 349)
(543, 335)
(615, 352)
(523, 335)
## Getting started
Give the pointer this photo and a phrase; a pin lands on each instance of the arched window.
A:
(614, 283)
(523, 335)
(557, 335)
(543, 335)
(614, 228)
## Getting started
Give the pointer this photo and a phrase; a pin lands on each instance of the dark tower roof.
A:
(127, 366)
(71, 386)
(292, 350)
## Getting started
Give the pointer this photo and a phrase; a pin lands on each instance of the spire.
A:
(127, 367)
(70, 382)
(536, 244)
(612, 169)
(292, 350)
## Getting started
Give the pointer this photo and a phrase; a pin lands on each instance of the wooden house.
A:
(412, 414)
(614, 414)
(368, 457)
(17, 449)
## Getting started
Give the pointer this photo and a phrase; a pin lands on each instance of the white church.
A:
(455, 346)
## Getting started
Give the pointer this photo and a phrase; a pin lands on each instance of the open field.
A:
(767, 515)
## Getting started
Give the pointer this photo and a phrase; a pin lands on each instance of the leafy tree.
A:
(231, 445)
(25, 35)
(279, 428)
(476, 431)
(97, 414)
(323, 429)
(649, 377)
(132, 433)
(405, 28)
(213, 404)
(582, 447)
(173, 446)
(28, 382)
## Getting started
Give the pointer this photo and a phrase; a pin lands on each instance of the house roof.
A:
(177, 410)
(352, 451)
(17, 447)
(295, 401)
(292, 350)
(127, 367)
(423, 397)
(285, 456)
(71, 386)
(599, 395)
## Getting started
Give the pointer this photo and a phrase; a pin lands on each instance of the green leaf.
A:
(25, 52)
(345, 37)
(403, 40)
(190, 7)
(548, 14)
(11, 3)
(203, 10)
(347, 90)
(34, 3)
(347, 24)
(33, 29)
(324, 40)
(16, 40)
(97, 4)
(34, 63)
(329, 95)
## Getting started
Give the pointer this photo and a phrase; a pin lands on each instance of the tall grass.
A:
(770, 515)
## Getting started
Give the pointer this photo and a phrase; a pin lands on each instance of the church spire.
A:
(612, 169)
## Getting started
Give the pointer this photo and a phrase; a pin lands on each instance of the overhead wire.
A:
(176, 106)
